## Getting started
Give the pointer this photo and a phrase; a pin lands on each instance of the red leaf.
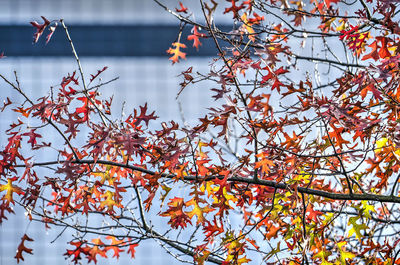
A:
(5, 104)
(256, 20)
(374, 54)
(87, 105)
(234, 8)
(32, 136)
(135, 120)
(92, 77)
(52, 29)
(40, 29)
(143, 116)
(131, 249)
(76, 253)
(383, 52)
(195, 37)
(97, 249)
(328, 2)
(4, 206)
(178, 217)
(22, 248)
(182, 9)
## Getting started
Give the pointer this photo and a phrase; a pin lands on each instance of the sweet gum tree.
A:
(297, 162)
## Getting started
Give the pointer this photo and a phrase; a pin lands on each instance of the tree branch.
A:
(237, 179)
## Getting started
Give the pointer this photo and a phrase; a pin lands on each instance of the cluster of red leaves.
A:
(98, 247)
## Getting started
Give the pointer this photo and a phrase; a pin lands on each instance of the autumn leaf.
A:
(5, 104)
(52, 29)
(383, 52)
(356, 228)
(328, 2)
(272, 231)
(97, 249)
(115, 246)
(22, 248)
(176, 52)
(380, 144)
(109, 201)
(197, 210)
(182, 8)
(32, 137)
(234, 8)
(99, 72)
(247, 27)
(143, 116)
(10, 189)
(374, 53)
(195, 37)
(76, 253)
(39, 28)
(178, 218)
(264, 163)
(25, 112)
(367, 209)
(4, 209)
(132, 249)
(378, 51)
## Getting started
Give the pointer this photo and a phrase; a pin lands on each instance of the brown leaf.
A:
(22, 248)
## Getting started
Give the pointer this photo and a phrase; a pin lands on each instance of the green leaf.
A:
(356, 227)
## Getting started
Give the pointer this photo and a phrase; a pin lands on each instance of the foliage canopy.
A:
(297, 162)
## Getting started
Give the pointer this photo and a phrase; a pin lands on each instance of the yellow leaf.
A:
(343, 253)
(109, 202)
(356, 227)
(342, 26)
(247, 27)
(10, 190)
(198, 211)
(380, 144)
(367, 209)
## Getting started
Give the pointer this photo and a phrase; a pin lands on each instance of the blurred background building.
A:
(131, 38)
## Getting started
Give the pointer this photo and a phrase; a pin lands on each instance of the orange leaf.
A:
(265, 164)
(115, 246)
(272, 232)
(383, 52)
(378, 51)
(195, 37)
(24, 112)
(97, 249)
(176, 52)
(328, 2)
(374, 54)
